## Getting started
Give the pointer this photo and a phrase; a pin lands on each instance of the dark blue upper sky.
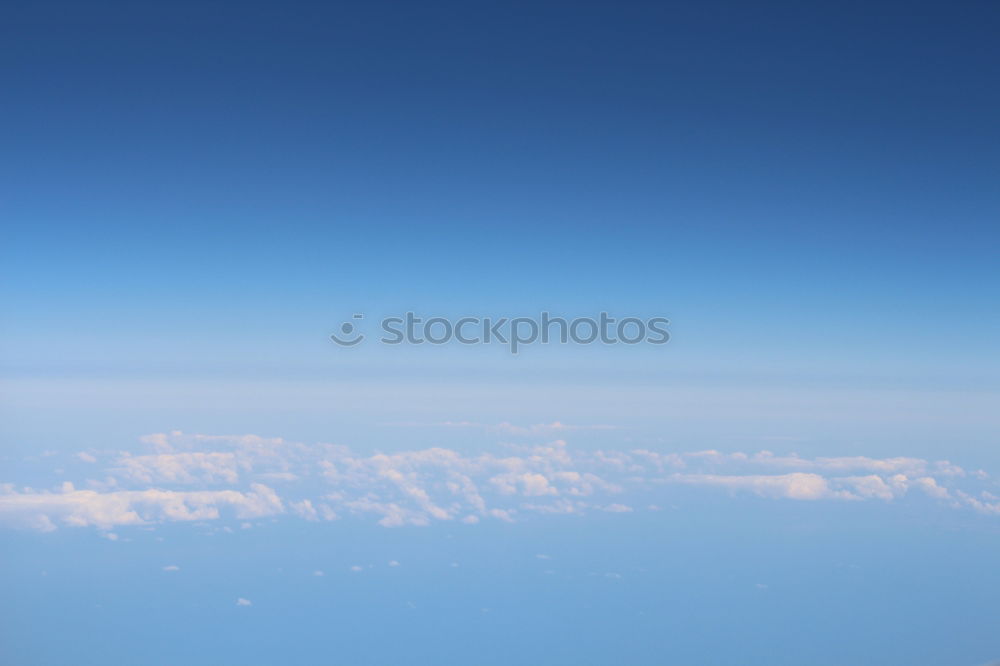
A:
(762, 166)
(265, 113)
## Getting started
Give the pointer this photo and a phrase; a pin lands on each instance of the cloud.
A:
(243, 602)
(544, 429)
(79, 508)
(909, 466)
(185, 468)
(531, 484)
(985, 503)
(797, 485)
(931, 487)
(548, 428)
(209, 477)
(305, 509)
(171, 567)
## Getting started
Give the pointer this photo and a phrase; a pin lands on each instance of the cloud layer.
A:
(184, 477)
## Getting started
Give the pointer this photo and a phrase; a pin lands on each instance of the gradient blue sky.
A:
(195, 195)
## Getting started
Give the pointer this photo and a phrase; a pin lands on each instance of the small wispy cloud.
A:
(554, 427)
(508, 428)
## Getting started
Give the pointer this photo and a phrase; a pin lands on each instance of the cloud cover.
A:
(246, 477)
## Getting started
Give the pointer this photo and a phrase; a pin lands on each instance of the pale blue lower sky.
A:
(711, 581)
(710, 578)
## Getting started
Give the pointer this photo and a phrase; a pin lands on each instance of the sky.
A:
(195, 196)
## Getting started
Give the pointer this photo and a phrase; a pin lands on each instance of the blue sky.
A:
(194, 197)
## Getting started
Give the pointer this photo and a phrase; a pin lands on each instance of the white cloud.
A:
(277, 476)
(243, 602)
(545, 429)
(797, 485)
(79, 508)
(548, 428)
(304, 509)
(503, 514)
(985, 503)
(563, 506)
(897, 465)
(171, 567)
(874, 486)
(207, 477)
(931, 487)
(186, 468)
